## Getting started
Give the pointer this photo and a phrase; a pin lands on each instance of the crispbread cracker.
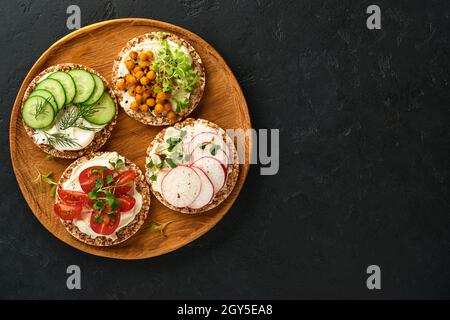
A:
(147, 117)
(232, 173)
(127, 231)
(100, 137)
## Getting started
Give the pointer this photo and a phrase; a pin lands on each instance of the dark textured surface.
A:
(365, 149)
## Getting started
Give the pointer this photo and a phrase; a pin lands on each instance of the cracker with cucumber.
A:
(69, 110)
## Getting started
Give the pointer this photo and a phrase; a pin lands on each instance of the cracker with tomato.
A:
(102, 199)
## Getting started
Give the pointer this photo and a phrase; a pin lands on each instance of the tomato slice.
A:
(104, 223)
(68, 211)
(89, 176)
(73, 197)
(128, 202)
(125, 182)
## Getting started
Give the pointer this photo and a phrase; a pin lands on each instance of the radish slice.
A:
(206, 193)
(206, 152)
(208, 137)
(213, 169)
(181, 186)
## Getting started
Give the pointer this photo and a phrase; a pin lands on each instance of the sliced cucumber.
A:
(68, 84)
(106, 110)
(37, 112)
(46, 95)
(84, 83)
(56, 89)
(98, 92)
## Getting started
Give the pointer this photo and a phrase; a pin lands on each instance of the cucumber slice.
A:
(56, 89)
(37, 112)
(106, 110)
(84, 83)
(98, 92)
(46, 95)
(68, 84)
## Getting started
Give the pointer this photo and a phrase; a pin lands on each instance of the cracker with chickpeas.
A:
(159, 78)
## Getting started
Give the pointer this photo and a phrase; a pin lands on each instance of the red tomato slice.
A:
(104, 224)
(125, 182)
(128, 202)
(68, 211)
(87, 178)
(73, 197)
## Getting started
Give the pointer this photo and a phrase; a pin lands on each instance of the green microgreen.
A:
(157, 227)
(42, 180)
(171, 163)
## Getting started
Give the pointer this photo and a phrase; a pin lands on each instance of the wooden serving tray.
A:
(97, 46)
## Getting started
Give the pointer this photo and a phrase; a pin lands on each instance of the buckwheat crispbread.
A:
(147, 117)
(100, 137)
(127, 231)
(232, 170)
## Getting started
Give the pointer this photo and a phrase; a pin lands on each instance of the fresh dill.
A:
(72, 115)
(61, 140)
(40, 108)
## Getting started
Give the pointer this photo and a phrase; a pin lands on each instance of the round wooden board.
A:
(97, 46)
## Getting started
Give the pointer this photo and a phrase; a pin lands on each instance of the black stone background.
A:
(364, 160)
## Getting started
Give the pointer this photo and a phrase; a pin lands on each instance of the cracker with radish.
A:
(159, 78)
(192, 167)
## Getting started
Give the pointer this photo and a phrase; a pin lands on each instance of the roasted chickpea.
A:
(138, 98)
(136, 69)
(139, 75)
(144, 107)
(145, 95)
(171, 115)
(133, 55)
(143, 56)
(148, 91)
(149, 55)
(161, 96)
(167, 107)
(144, 81)
(159, 108)
(121, 85)
(151, 75)
(131, 79)
(132, 92)
(129, 64)
(139, 89)
(134, 106)
(150, 102)
(144, 64)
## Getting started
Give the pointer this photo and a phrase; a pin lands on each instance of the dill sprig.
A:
(40, 108)
(71, 115)
(60, 139)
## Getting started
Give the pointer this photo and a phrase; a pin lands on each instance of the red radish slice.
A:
(208, 137)
(206, 193)
(213, 169)
(181, 186)
(206, 152)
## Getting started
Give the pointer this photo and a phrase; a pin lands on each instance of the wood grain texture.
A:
(97, 46)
